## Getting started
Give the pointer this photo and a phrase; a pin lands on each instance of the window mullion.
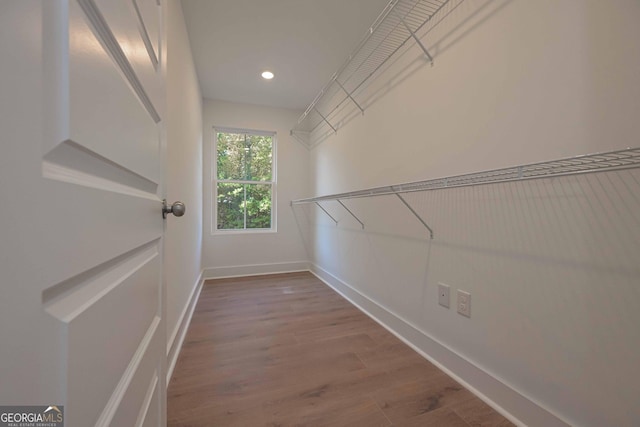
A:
(245, 205)
(240, 181)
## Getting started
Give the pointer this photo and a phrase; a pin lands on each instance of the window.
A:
(244, 180)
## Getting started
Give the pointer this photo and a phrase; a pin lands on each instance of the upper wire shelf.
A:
(628, 158)
(398, 23)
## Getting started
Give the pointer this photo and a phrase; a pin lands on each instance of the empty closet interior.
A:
(468, 177)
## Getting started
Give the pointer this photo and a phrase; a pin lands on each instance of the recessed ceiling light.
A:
(267, 75)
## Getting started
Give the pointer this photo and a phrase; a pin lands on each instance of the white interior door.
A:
(81, 177)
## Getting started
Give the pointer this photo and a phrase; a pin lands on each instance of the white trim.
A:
(225, 129)
(515, 406)
(174, 343)
(255, 269)
(241, 181)
(243, 231)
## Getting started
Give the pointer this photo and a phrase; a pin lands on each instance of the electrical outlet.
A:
(464, 303)
(443, 295)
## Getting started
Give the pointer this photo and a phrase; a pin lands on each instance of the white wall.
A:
(552, 265)
(184, 177)
(264, 252)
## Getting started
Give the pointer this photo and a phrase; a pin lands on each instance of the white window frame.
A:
(214, 182)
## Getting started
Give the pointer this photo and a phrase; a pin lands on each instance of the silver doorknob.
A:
(177, 208)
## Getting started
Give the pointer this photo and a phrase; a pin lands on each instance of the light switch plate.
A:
(464, 303)
(443, 295)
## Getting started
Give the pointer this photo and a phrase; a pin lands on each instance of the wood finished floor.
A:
(286, 350)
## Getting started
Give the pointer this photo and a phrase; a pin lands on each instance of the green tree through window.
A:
(244, 180)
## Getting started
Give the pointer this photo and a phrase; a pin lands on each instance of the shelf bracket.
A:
(424, 49)
(352, 214)
(325, 211)
(325, 119)
(350, 97)
(415, 214)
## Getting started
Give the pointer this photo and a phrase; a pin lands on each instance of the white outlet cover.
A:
(443, 295)
(464, 303)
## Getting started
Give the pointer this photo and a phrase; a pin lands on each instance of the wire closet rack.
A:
(599, 162)
(395, 26)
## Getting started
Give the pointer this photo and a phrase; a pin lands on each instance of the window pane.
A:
(259, 152)
(244, 157)
(230, 206)
(230, 156)
(258, 206)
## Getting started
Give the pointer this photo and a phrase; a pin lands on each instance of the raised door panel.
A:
(110, 109)
(130, 25)
(109, 321)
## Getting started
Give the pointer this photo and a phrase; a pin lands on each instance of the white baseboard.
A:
(516, 407)
(174, 343)
(255, 269)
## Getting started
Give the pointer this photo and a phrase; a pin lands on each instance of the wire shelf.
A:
(395, 26)
(599, 162)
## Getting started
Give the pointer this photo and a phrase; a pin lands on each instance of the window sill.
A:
(244, 232)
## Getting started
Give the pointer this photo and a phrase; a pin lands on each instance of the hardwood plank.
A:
(286, 350)
(414, 398)
(443, 417)
(356, 411)
(478, 414)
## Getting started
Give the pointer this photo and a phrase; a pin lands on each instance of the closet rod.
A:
(628, 158)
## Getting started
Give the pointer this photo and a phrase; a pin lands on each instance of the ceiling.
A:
(302, 41)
